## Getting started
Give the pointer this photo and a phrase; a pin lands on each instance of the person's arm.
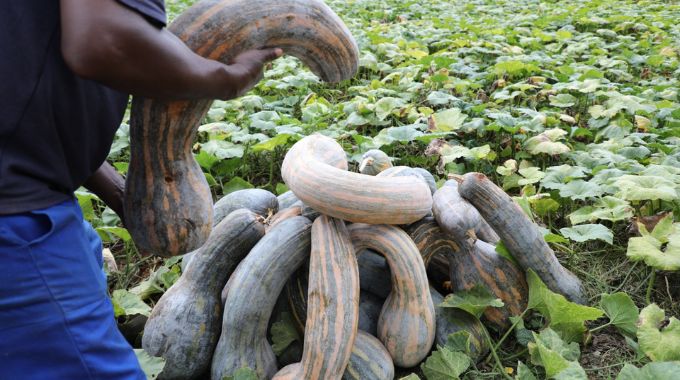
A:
(103, 40)
(109, 186)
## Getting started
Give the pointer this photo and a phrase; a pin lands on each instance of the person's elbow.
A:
(92, 52)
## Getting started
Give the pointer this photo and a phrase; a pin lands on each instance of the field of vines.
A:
(572, 107)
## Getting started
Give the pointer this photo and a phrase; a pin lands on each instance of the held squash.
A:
(318, 163)
(333, 299)
(520, 235)
(407, 320)
(184, 326)
(251, 294)
(167, 200)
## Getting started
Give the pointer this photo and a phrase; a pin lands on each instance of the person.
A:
(68, 68)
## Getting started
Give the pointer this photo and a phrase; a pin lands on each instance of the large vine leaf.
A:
(559, 358)
(567, 318)
(445, 364)
(651, 371)
(621, 311)
(659, 338)
(585, 232)
(648, 247)
(474, 301)
(127, 303)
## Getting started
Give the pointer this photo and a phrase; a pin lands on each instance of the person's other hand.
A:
(246, 69)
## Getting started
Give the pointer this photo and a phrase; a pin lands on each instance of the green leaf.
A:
(444, 364)
(585, 232)
(524, 373)
(531, 175)
(236, 183)
(545, 206)
(459, 341)
(639, 188)
(385, 106)
(547, 142)
(648, 249)
(412, 376)
(658, 337)
(449, 120)
(244, 373)
(651, 371)
(205, 159)
(223, 149)
(559, 358)
(474, 301)
(621, 311)
(565, 317)
(269, 145)
(119, 232)
(556, 176)
(605, 208)
(283, 333)
(85, 200)
(127, 303)
(580, 190)
(151, 365)
(563, 100)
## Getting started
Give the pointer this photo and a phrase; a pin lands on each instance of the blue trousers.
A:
(56, 319)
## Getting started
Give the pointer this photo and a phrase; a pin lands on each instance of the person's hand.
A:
(246, 69)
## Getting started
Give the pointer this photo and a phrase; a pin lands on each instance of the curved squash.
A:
(252, 292)
(520, 235)
(451, 320)
(472, 263)
(167, 200)
(369, 360)
(435, 247)
(374, 161)
(458, 217)
(184, 326)
(286, 200)
(407, 320)
(313, 163)
(333, 299)
(400, 171)
(259, 201)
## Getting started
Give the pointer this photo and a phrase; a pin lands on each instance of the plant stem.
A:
(494, 353)
(650, 286)
(507, 333)
(600, 327)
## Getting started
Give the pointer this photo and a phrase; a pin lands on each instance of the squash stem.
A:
(650, 286)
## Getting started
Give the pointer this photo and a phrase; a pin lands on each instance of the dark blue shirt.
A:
(56, 128)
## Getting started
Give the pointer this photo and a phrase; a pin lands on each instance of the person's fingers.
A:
(271, 54)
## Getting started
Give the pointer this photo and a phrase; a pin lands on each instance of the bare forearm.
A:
(109, 186)
(104, 41)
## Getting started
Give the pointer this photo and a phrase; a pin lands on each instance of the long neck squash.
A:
(333, 299)
(252, 292)
(168, 203)
(407, 320)
(184, 326)
(520, 235)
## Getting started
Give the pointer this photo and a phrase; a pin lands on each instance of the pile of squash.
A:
(354, 256)
(357, 259)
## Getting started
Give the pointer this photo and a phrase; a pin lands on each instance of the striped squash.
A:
(259, 201)
(400, 171)
(251, 294)
(520, 235)
(333, 299)
(458, 217)
(369, 360)
(407, 320)
(475, 262)
(184, 326)
(314, 163)
(167, 200)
